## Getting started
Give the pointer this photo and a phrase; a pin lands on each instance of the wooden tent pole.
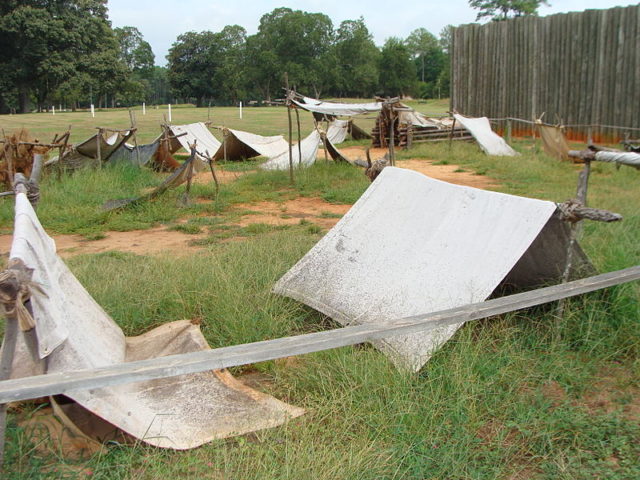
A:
(288, 104)
(581, 197)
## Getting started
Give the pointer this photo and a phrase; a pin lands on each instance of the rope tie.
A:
(567, 210)
(15, 289)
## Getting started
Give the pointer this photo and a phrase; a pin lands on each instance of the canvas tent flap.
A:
(308, 148)
(205, 142)
(85, 153)
(490, 142)
(179, 412)
(414, 245)
(553, 142)
(337, 109)
(337, 131)
(240, 145)
(135, 155)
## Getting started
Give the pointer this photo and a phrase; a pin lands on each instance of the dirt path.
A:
(448, 173)
(161, 239)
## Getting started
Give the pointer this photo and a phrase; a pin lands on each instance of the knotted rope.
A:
(15, 289)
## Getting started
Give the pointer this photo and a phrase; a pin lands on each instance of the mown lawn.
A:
(519, 396)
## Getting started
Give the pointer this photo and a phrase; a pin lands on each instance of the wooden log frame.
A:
(226, 357)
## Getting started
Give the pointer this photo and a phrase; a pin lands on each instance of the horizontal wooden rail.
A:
(173, 365)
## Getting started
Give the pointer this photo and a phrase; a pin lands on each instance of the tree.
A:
(425, 49)
(135, 52)
(397, 71)
(208, 65)
(290, 41)
(50, 48)
(504, 9)
(356, 60)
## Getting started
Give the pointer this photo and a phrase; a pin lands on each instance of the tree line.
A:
(320, 60)
(67, 53)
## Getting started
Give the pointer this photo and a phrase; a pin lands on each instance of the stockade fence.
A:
(580, 69)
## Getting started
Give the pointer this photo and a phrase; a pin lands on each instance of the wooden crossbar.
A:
(174, 365)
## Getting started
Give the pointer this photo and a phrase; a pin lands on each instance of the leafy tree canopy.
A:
(504, 9)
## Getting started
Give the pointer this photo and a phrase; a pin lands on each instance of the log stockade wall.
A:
(580, 69)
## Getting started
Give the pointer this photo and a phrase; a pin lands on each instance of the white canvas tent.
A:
(75, 333)
(206, 143)
(308, 148)
(414, 245)
(490, 142)
(239, 145)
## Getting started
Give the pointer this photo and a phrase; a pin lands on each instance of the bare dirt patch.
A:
(142, 242)
(448, 173)
(312, 209)
(223, 176)
(615, 389)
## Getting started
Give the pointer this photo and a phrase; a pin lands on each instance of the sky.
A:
(161, 21)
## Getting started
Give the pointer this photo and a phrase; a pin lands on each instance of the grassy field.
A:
(263, 120)
(521, 396)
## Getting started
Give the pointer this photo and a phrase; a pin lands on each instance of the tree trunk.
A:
(23, 99)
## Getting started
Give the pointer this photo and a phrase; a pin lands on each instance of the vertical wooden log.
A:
(132, 117)
(581, 197)
(508, 132)
(453, 126)
(99, 146)
(392, 152)
(288, 105)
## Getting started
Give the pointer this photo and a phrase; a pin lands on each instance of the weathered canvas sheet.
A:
(337, 131)
(135, 155)
(490, 142)
(76, 333)
(553, 142)
(206, 143)
(308, 148)
(626, 158)
(337, 109)
(241, 145)
(414, 245)
(85, 153)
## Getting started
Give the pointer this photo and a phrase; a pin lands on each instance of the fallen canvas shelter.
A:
(490, 142)
(75, 333)
(412, 245)
(177, 178)
(239, 145)
(339, 130)
(95, 150)
(553, 141)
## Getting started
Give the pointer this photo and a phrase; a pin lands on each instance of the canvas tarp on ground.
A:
(490, 142)
(414, 245)
(75, 333)
(206, 143)
(86, 153)
(240, 145)
(553, 141)
(337, 109)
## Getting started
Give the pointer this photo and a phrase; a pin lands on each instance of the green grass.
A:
(518, 396)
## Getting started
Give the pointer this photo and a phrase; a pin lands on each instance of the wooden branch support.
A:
(288, 103)
(225, 357)
(299, 138)
(630, 159)
(581, 196)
